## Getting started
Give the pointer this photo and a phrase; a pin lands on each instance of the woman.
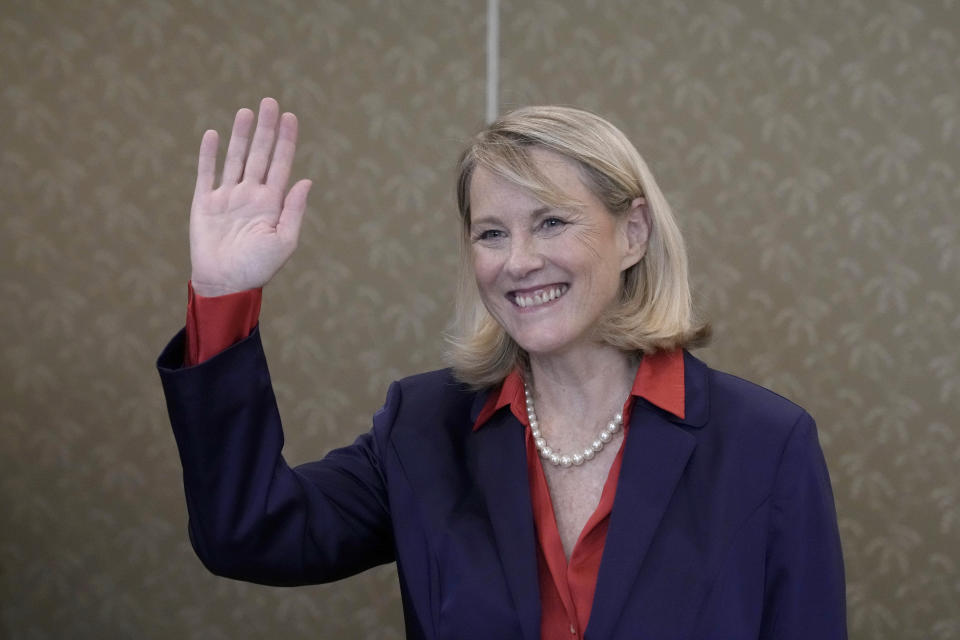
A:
(575, 473)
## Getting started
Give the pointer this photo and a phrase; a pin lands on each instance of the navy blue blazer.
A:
(723, 525)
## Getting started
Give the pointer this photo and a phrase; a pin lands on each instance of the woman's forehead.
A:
(550, 180)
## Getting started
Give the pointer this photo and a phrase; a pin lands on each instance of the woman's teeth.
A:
(540, 297)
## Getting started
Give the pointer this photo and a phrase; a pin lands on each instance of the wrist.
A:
(207, 290)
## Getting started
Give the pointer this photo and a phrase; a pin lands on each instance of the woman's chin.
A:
(543, 346)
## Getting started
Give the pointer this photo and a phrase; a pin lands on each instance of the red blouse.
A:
(566, 588)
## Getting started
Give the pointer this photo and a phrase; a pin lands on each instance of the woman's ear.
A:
(637, 232)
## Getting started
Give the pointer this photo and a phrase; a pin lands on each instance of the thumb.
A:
(294, 206)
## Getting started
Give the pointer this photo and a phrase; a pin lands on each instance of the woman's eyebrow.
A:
(493, 219)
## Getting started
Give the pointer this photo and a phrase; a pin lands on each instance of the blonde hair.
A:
(654, 310)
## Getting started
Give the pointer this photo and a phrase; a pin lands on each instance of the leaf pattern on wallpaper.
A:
(808, 148)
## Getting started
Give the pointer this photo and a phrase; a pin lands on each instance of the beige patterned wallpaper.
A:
(810, 148)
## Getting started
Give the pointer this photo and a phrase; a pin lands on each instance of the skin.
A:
(244, 230)
(519, 246)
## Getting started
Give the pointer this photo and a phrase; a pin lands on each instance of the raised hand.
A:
(244, 230)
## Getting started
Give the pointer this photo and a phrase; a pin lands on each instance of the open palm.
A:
(244, 230)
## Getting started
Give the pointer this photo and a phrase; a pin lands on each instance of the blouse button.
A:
(573, 630)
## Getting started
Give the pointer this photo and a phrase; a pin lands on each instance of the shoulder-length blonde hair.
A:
(654, 310)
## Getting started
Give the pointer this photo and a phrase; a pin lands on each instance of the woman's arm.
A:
(804, 587)
(252, 517)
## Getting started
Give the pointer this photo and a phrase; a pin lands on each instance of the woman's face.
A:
(547, 275)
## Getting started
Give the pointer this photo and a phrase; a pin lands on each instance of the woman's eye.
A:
(489, 234)
(552, 224)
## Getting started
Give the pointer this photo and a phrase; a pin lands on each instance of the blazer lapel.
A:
(655, 455)
(500, 463)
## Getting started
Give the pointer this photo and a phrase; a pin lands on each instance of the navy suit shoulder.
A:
(425, 410)
(437, 379)
(719, 391)
(753, 399)
(758, 478)
(425, 451)
(741, 420)
(435, 390)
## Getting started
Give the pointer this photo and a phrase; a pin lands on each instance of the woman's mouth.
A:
(536, 297)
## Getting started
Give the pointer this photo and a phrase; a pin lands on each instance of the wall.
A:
(809, 148)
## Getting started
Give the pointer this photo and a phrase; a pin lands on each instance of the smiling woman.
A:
(572, 168)
(547, 276)
(576, 473)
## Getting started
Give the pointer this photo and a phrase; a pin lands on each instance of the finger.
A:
(280, 165)
(294, 205)
(207, 162)
(262, 143)
(237, 147)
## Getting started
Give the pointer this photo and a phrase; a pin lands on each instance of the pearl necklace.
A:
(558, 459)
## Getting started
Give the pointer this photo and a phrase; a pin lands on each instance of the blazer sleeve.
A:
(804, 585)
(251, 516)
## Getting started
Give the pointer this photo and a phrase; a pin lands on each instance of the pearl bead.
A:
(556, 458)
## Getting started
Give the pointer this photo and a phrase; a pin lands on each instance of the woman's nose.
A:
(524, 258)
